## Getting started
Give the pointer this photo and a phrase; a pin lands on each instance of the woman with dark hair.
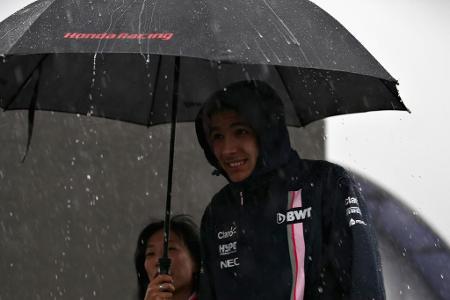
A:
(184, 252)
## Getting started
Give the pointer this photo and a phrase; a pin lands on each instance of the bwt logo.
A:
(294, 216)
(227, 234)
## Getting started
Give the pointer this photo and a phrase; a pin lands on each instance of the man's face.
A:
(234, 144)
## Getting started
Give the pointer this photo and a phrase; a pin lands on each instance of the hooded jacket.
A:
(294, 229)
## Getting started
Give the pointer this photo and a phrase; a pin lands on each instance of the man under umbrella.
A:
(284, 227)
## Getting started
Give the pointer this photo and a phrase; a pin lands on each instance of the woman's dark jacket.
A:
(295, 229)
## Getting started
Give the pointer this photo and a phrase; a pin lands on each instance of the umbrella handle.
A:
(164, 265)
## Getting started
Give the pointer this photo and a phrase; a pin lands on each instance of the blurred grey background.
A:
(70, 215)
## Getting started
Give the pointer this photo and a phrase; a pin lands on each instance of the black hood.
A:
(258, 104)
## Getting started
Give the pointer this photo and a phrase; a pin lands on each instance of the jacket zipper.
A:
(242, 198)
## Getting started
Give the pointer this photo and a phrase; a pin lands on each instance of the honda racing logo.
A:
(296, 215)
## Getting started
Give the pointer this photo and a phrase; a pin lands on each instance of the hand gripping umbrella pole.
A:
(164, 261)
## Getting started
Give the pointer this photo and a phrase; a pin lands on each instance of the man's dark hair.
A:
(241, 97)
(185, 228)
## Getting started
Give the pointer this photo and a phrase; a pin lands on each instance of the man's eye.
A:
(242, 131)
(148, 254)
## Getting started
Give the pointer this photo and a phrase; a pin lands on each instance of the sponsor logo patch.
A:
(229, 263)
(296, 215)
(226, 249)
(227, 233)
(351, 201)
(353, 210)
(353, 222)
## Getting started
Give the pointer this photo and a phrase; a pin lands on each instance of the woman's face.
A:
(182, 265)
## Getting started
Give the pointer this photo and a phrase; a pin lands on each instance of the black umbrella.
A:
(152, 62)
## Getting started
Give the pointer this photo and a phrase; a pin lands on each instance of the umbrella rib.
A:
(25, 82)
(155, 86)
(32, 108)
(330, 87)
(290, 95)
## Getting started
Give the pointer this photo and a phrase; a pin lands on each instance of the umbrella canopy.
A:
(147, 61)
(81, 51)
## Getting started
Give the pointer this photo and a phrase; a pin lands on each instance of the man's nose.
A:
(230, 145)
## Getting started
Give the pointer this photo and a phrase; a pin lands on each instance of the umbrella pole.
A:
(164, 261)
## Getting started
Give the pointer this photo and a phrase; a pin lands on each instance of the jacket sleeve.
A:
(352, 244)
(206, 284)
